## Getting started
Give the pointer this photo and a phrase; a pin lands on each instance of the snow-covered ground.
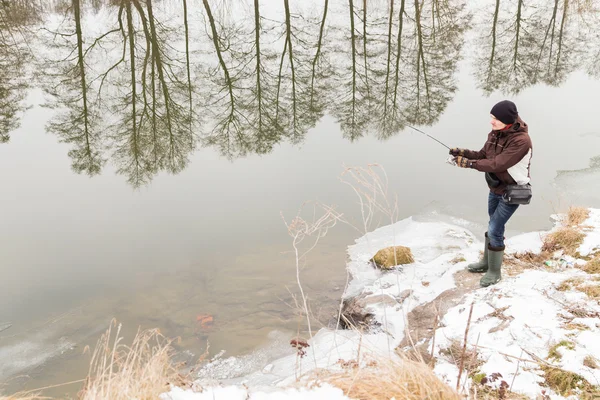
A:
(513, 325)
(324, 392)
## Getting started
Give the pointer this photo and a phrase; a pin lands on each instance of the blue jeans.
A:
(500, 213)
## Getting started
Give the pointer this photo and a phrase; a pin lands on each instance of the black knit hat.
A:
(505, 111)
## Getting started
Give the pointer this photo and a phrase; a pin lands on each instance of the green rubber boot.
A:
(493, 274)
(481, 265)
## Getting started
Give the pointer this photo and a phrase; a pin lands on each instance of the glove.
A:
(463, 162)
(455, 151)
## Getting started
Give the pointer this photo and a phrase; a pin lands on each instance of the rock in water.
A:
(389, 257)
(355, 314)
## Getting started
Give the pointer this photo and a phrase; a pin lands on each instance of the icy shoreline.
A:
(513, 325)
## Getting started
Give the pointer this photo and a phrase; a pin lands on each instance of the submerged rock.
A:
(389, 257)
(355, 315)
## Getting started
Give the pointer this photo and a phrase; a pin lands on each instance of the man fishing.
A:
(505, 158)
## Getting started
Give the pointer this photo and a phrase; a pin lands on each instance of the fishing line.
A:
(420, 131)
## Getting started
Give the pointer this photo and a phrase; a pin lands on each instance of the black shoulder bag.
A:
(517, 194)
(514, 194)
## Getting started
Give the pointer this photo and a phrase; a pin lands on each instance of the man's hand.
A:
(463, 162)
(455, 151)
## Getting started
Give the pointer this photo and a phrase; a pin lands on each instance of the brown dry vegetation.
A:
(577, 216)
(566, 238)
(142, 371)
(403, 380)
(592, 266)
(569, 237)
(517, 263)
(593, 291)
(581, 312)
(573, 326)
(457, 259)
(569, 284)
(590, 362)
(469, 358)
(529, 257)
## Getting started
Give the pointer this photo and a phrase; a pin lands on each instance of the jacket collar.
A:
(518, 126)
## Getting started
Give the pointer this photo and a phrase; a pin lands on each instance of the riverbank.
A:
(531, 336)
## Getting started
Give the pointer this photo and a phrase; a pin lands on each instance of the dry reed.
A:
(143, 370)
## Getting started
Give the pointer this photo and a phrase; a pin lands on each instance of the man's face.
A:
(496, 124)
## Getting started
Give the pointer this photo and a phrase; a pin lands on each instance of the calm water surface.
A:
(152, 147)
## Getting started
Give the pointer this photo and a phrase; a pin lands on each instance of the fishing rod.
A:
(420, 131)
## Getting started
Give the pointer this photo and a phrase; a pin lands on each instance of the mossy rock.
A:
(567, 383)
(389, 257)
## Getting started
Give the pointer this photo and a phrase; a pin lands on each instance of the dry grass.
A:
(391, 256)
(142, 371)
(569, 237)
(569, 284)
(459, 258)
(517, 263)
(454, 354)
(592, 266)
(573, 326)
(590, 362)
(403, 380)
(529, 257)
(566, 238)
(593, 291)
(577, 215)
(582, 312)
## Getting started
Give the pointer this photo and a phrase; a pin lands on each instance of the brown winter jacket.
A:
(506, 154)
